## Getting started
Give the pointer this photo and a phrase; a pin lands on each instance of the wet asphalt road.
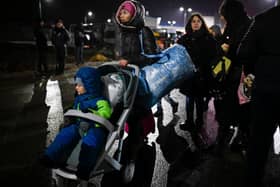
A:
(32, 106)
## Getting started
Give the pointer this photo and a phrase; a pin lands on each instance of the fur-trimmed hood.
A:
(137, 21)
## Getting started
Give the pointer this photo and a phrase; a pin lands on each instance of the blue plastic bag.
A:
(158, 79)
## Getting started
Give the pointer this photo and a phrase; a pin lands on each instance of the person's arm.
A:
(102, 109)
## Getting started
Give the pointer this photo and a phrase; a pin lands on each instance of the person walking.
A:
(130, 19)
(261, 50)
(60, 37)
(228, 110)
(202, 48)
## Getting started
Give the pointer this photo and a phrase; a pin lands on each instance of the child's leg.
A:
(63, 144)
(92, 145)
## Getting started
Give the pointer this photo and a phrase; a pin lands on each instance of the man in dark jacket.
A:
(60, 37)
(261, 48)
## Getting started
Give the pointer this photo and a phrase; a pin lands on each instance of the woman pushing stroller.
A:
(130, 19)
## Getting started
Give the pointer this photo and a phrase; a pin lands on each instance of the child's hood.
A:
(91, 80)
(137, 20)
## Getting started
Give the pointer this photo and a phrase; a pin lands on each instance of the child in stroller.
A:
(88, 99)
(69, 155)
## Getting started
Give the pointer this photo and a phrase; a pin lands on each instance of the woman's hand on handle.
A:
(123, 62)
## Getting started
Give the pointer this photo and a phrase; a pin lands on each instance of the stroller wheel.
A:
(128, 172)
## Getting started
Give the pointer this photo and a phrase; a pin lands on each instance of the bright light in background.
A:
(90, 13)
(158, 20)
(173, 22)
(87, 36)
(209, 20)
(147, 13)
(186, 12)
(109, 20)
(181, 9)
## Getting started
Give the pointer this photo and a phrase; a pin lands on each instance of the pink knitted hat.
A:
(129, 6)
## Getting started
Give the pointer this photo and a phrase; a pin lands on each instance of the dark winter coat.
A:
(60, 37)
(237, 25)
(262, 51)
(130, 48)
(228, 108)
(203, 49)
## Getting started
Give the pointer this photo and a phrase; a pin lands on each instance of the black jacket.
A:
(237, 24)
(261, 50)
(59, 37)
(203, 49)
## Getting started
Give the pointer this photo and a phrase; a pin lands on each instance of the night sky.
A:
(73, 11)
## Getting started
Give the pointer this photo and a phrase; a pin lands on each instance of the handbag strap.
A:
(158, 55)
(245, 35)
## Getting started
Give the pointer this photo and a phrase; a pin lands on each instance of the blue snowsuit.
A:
(95, 138)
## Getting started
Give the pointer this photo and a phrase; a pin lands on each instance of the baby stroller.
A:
(120, 87)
